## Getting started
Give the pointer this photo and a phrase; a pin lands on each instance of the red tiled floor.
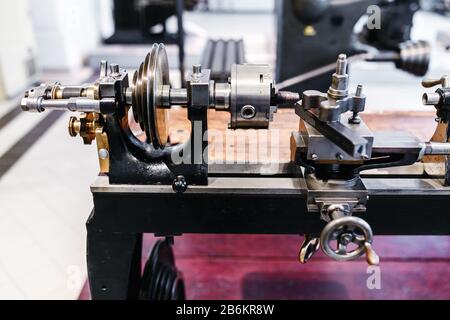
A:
(266, 267)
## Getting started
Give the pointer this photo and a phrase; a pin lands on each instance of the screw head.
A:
(346, 238)
(339, 156)
(248, 112)
(314, 157)
(103, 154)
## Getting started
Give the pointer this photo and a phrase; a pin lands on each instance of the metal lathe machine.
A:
(328, 192)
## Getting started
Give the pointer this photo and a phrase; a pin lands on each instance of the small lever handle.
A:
(371, 256)
(444, 82)
(309, 247)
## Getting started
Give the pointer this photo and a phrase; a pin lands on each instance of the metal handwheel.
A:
(345, 231)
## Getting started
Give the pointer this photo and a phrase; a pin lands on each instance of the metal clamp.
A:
(323, 112)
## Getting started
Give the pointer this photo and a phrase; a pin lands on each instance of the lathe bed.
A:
(239, 201)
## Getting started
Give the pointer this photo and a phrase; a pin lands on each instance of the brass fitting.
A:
(86, 126)
(90, 126)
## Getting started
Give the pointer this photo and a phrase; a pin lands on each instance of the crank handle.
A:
(340, 232)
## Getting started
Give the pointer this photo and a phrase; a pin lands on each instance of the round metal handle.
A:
(343, 232)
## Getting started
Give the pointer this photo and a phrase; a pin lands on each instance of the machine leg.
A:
(114, 264)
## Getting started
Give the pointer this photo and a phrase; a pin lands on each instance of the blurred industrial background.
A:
(45, 175)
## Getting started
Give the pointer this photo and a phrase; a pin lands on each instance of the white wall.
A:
(242, 5)
(65, 30)
(17, 47)
(105, 17)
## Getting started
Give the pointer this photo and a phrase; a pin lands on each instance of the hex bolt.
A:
(341, 66)
(355, 119)
(114, 68)
(180, 185)
(339, 82)
(103, 68)
(359, 90)
(197, 69)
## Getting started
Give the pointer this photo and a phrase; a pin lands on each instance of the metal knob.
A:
(179, 185)
(345, 231)
(74, 126)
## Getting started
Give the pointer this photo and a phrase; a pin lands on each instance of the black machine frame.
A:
(238, 200)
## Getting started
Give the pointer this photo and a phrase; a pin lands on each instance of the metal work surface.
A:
(409, 206)
(278, 186)
(400, 187)
(251, 185)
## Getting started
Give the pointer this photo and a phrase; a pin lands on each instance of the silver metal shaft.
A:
(437, 148)
(73, 104)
